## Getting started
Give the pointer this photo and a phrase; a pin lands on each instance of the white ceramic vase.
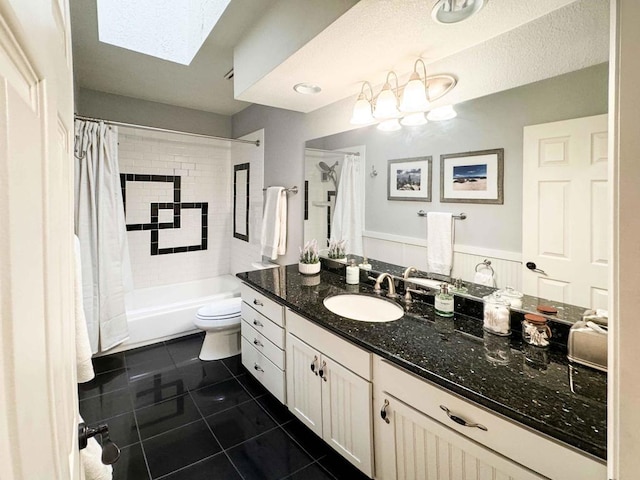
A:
(309, 268)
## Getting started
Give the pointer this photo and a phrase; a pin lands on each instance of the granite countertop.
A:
(535, 387)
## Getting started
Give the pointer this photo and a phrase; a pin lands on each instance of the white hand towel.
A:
(84, 367)
(484, 277)
(439, 242)
(273, 239)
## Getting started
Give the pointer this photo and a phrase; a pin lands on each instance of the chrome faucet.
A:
(407, 294)
(392, 288)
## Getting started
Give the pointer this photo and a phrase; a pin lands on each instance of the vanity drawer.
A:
(263, 344)
(262, 324)
(514, 441)
(343, 352)
(262, 304)
(265, 371)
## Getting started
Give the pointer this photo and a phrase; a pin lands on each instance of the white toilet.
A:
(221, 321)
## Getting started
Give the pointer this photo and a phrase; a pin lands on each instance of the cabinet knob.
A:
(258, 367)
(462, 421)
(322, 371)
(313, 364)
(383, 411)
(258, 302)
(257, 342)
(257, 323)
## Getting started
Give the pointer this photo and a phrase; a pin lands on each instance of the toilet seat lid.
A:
(226, 308)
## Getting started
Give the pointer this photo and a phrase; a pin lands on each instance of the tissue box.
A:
(588, 345)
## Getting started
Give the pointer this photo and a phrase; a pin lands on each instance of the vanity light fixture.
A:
(386, 105)
(362, 110)
(442, 113)
(307, 88)
(454, 11)
(413, 120)
(415, 97)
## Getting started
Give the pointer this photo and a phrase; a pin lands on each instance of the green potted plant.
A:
(309, 263)
(337, 249)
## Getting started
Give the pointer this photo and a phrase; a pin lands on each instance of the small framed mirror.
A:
(241, 201)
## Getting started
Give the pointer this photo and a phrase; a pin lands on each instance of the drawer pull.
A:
(258, 302)
(258, 323)
(257, 342)
(258, 367)
(383, 411)
(462, 421)
(313, 364)
(322, 371)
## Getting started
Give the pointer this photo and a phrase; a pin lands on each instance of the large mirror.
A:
(393, 231)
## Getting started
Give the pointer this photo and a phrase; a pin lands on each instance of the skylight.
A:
(173, 30)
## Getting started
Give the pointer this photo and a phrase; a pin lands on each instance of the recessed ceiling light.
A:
(307, 88)
(166, 29)
(454, 11)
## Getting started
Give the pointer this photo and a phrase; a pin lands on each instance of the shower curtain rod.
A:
(166, 130)
(357, 154)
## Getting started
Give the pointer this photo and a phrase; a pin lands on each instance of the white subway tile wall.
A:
(204, 166)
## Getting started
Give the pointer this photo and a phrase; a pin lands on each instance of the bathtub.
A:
(160, 313)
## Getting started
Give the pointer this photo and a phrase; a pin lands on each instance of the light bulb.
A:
(361, 112)
(386, 104)
(414, 97)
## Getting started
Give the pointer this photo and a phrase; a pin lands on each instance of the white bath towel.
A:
(273, 239)
(84, 367)
(439, 242)
(484, 277)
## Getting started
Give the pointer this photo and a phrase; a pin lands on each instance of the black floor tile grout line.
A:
(144, 453)
(315, 462)
(216, 438)
(187, 466)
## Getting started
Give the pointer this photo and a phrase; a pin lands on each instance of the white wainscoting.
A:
(406, 251)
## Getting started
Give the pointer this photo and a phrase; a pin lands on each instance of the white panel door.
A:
(346, 414)
(304, 391)
(418, 447)
(38, 389)
(565, 211)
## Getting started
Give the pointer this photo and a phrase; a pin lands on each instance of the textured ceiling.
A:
(509, 43)
(106, 68)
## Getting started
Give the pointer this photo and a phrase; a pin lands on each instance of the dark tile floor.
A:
(178, 418)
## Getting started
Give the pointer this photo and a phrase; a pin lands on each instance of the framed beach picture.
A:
(409, 179)
(472, 177)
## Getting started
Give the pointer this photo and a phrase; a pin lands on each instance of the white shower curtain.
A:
(101, 228)
(346, 223)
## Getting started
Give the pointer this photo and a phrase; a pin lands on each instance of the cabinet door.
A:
(346, 414)
(303, 383)
(416, 446)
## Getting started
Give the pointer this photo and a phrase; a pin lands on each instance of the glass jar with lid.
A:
(535, 330)
(513, 295)
(496, 314)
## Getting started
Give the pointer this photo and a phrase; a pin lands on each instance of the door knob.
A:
(110, 451)
(534, 268)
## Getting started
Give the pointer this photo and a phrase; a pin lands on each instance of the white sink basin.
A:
(426, 282)
(364, 308)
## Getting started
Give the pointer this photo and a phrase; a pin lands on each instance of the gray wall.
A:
(495, 121)
(108, 106)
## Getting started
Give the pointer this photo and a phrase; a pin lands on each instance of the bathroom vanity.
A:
(422, 394)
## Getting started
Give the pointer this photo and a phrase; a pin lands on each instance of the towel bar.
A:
(293, 190)
(462, 216)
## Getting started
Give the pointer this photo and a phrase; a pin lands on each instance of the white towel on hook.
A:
(484, 277)
(439, 242)
(273, 239)
(84, 367)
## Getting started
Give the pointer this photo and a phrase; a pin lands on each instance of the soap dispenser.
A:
(444, 302)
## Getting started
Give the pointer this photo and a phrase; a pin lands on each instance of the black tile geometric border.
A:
(176, 206)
